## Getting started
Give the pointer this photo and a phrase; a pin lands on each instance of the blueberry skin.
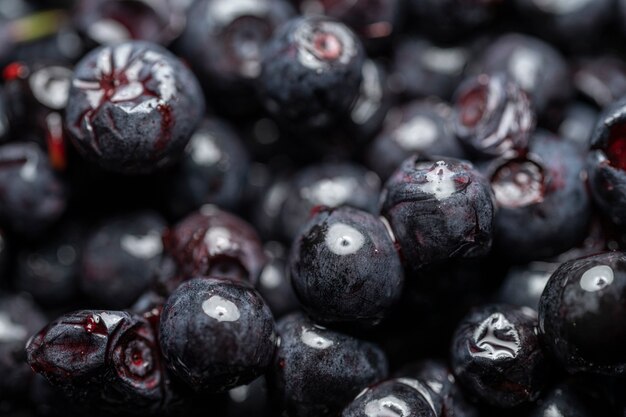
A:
(106, 359)
(223, 39)
(132, 107)
(578, 123)
(274, 284)
(421, 127)
(550, 212)
(601, 80)
(562, 400)
(409, 396)
(19, 318)
(331, 185)
(606, 162)
(211, 242)
(493, 115)
(345, 269)
(446, 391)
(32, 196)
(49, 269)
(523, 285)
(121, 257)
(536, 66)
(311, 72)
(317, 371)
(438, 210)
(578, 314)
(213, 170)
(497, 357)
(217, 334)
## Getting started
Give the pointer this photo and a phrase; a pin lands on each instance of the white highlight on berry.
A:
(440, 182)
(314, 340)
(10, 331)
(597, 278)
(390, 405)
(220, 309)
(143, 246)
(342, 239)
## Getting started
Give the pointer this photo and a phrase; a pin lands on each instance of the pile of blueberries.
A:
(313, 208)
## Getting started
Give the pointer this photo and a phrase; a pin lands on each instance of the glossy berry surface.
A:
(409, 397)
(317, 371)
(217, 334)
(543, 203)
(211, 242)
(32, 196)
(101, 358)
(120, 259)
(419, 127)
(311, 72)
(132, 107)
(577, 314)
(345, 268)
(497, 357)
(494, 115)
(565, 400)
(438, 210)
(330, 185)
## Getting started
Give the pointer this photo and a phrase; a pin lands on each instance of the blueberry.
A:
(49, 269)
(401, 396)
(101, 358)
(440, 380)
(420, 127)
(497, 357)
(19, 318)
(543, 204)
(311, 72)
(213, 170)
(493, 115)
(330, 185)
(422, 68)
(106, 22)
(32, 196)
(224, 38)
(211, 242)
(537, 67)
(563, 400)
(607, 161)
(251, 399)
(217, 334)
(274, 284)
(601, 79)
(132, 107)
(345, 268)
(578, 123)
(438, 210)
(121, 257)
(523, 285)
(317, 371)
(578, 311)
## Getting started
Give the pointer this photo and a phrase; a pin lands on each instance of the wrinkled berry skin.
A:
(420, 127)
(345, 268)
(493, 115)
(19, 318)
(32, 196)
(311, 72)
(411, 396)
(438, 210)
(211, 242)
(331, 185)
(101, 358)
(224, 38)
(439, 379)
(537, 67)
(121, 257)
(606, 162)
(317, 372)
(543, 204)
(496, 355)
(212, 171)
(579, 311)
(217, 334)
(132, 107)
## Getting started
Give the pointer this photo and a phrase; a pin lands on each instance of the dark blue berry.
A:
(563, 400)
(217, 334)
(497, 357)
(601, 79)
(523, 285)
(274, 283)
(120, 259)
(317, 372)
(578, 123)
(132, 107)
(438, 210)
(579, 314)
(311, 72)
(345, 268)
